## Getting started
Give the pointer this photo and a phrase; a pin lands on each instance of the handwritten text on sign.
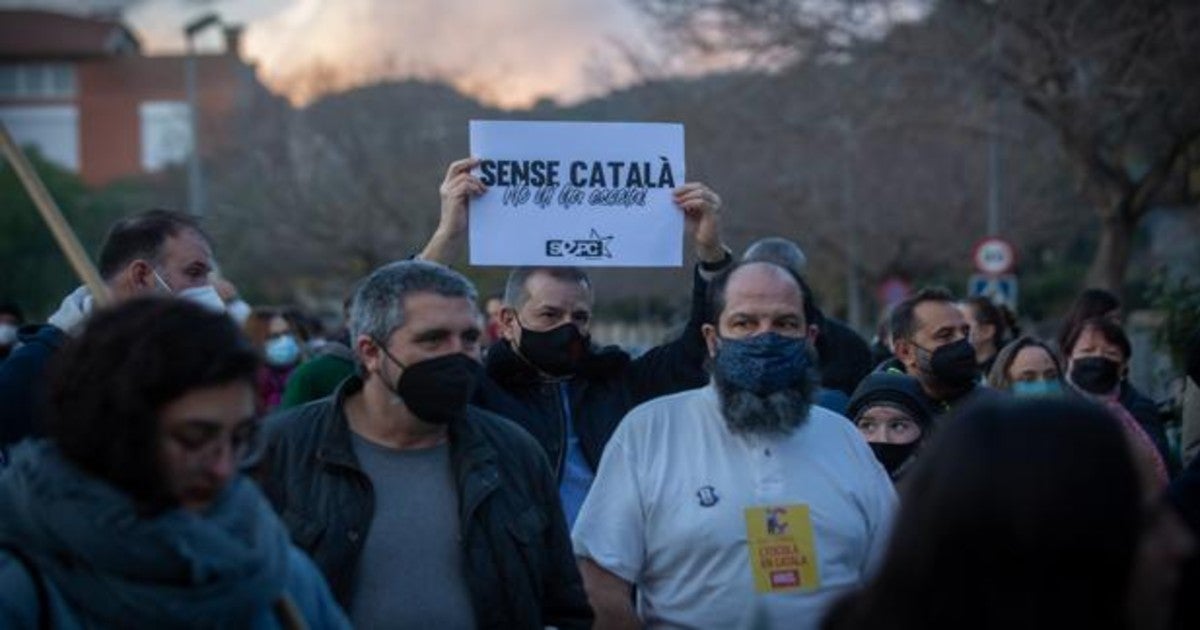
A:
(588, 194)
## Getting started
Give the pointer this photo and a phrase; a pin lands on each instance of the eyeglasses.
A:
(205, 440)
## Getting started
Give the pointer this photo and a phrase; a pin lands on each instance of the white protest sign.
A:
(585, 194)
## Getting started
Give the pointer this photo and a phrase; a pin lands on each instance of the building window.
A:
(37, 80)
(166, 128)
(53, 129)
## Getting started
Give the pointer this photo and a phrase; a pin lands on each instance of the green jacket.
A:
(318, 377)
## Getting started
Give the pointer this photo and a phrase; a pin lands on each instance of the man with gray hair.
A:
(420, 510)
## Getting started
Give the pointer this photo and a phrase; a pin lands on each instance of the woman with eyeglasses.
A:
(133, 513)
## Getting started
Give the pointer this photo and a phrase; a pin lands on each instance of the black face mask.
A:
(1095, 375)
(892, 456)
(556, 351)
(953, 364)
(437, 390)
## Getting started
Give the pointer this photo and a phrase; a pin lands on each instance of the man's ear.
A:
(140, 278)
(510, 327)
(710, 338)
(368, 353)
(904, 351)
(813, 332)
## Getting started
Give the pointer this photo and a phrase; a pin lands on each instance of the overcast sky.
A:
(508, 53)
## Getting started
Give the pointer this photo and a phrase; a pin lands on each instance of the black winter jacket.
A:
(1145, 411)
(520, 569)
(843, 356)
(607, 386)
(23, 382)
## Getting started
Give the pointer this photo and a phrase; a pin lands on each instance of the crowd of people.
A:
(180, 459)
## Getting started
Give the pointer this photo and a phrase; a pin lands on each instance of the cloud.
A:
(507, 53)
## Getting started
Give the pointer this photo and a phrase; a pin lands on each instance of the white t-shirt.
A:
(668, 512)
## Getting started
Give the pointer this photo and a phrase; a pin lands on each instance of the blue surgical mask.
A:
(282, 351)
(1037, 388)
(765, 363)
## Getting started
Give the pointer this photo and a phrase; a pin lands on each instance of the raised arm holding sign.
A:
(701, 208)
(575, 194)
(545, 374)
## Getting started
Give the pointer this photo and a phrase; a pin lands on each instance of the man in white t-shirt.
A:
(738, 504)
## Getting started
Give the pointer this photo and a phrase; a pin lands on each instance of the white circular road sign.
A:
(994, 255)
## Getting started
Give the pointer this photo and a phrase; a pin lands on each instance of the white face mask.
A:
(8, 334)
(240, 311)
(205, 296)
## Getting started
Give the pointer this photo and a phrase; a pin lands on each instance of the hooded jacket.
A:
(98, 562)
(23, 382)
(899, 390)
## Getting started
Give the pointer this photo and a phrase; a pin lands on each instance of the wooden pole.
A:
(63, 234)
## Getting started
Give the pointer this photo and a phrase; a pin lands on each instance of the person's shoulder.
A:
(46, 335)
(827, 420)
(36, 344)
(666, 413)
(301, 420)
(1132, 398)
(500, 430)
(842, 333)
(672, 406)
(19, 593)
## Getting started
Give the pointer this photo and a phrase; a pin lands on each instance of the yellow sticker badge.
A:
(783, 552)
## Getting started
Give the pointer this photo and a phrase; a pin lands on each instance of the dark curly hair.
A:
(1021, 513)
(108, 386)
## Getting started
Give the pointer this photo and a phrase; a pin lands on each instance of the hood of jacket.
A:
(119, 568)
(899, 390)
(74, 309)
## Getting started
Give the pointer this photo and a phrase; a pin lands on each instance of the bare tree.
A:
(1117, 81)
(1114, 81)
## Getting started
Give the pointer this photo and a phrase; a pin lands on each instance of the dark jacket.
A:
(1184, 495)
(1145, 411)
(607, 386)
(520, 569)
(23, 382)
(843, 357)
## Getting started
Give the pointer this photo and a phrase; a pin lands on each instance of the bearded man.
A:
(739, 504)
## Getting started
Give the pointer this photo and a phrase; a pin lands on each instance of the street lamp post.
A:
(195, 173)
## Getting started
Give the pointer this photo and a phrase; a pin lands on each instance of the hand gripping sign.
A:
(578, 194)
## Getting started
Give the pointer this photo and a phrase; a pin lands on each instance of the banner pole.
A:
(67, 241)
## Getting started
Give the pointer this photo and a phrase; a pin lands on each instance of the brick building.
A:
(81, 91)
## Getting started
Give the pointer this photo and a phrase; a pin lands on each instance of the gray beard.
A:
(773, 415)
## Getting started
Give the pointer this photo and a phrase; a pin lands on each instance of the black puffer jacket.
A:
(607, 386)
(519, 566)
(844, 357)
